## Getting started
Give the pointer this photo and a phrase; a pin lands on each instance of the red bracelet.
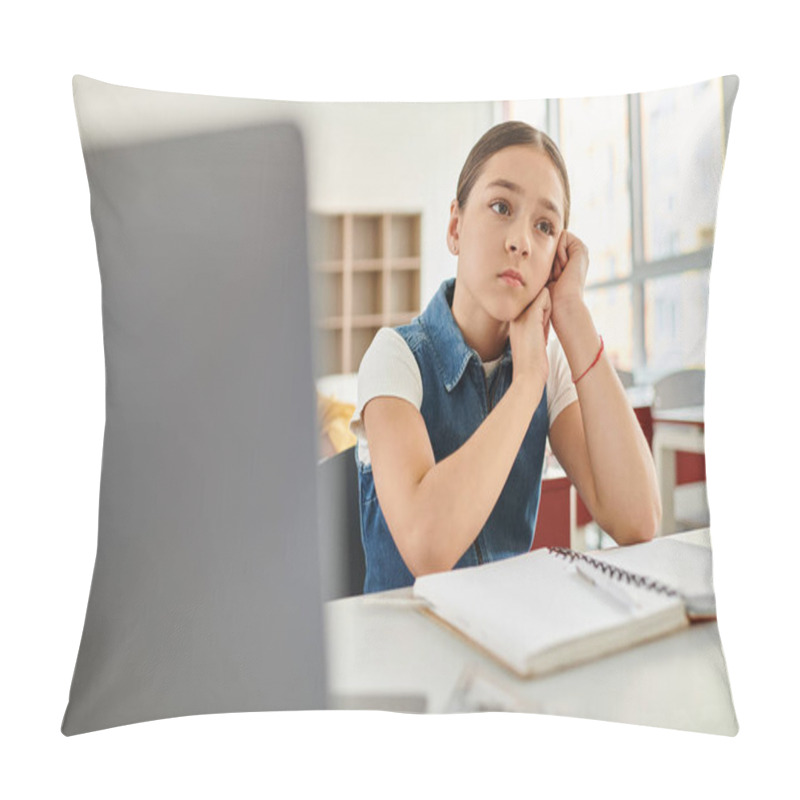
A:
(596, 359)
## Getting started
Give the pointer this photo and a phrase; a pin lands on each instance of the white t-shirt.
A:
(389, 369)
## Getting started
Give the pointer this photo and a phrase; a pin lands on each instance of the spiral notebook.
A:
(551, 608)
(684, 566)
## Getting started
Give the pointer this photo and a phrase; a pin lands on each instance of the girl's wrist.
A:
(578, 336)
(529, 386)
(567, 309)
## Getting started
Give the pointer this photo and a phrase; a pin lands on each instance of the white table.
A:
(384, 653)
(674, 429)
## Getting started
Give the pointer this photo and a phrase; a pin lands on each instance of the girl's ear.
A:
(453, 228)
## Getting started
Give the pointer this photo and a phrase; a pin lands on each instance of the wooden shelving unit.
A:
(366, 275)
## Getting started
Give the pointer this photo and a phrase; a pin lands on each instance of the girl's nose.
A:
(518, 244)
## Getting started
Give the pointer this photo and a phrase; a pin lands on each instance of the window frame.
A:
(642, 269)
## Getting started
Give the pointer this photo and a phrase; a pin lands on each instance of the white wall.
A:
(393, 157)
(361, 157)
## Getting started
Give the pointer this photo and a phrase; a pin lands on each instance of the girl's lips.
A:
(512, 278)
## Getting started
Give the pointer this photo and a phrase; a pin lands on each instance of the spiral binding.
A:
(616, 572)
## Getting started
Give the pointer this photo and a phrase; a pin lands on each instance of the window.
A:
(675, 313)
(644, 176)
(682, 147)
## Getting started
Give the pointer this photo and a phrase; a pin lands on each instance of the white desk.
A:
(384, 653)
(675, 429)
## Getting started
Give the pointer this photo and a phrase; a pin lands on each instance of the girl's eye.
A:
(503, 207)
(546, 227)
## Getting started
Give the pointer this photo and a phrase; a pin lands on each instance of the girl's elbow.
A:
(645, 528)
(651, 521)
(638, 534)
(417, 546)
(638, 527)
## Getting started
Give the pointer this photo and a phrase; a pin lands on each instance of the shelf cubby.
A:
(366, 272)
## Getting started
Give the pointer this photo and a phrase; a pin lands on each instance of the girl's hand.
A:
(528, 336)
(568, 275)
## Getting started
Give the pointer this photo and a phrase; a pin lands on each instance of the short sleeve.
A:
(388, 369)
(561, 390)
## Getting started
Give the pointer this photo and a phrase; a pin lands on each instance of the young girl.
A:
(455, 407)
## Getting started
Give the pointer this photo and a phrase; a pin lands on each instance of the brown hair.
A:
(509, 134)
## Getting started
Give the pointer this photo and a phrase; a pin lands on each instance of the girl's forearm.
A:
(623, 472)
(455, 497)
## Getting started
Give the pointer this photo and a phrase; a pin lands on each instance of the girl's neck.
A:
(483, 333)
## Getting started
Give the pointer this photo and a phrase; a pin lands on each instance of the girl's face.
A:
(507, 232)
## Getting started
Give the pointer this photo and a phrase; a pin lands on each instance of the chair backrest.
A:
(341, 551)
(626, 378)
(208, 560)
(680, 389)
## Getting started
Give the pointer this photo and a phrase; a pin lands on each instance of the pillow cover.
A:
(208, 500)
(207, 525)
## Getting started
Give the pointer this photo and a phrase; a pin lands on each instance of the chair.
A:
(341, 551)
(626, 378)
(205, 597)
(553, 522)
(679, 390)
(682, 389)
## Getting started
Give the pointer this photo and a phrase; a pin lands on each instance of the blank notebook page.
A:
(681, 565)
(529, 603)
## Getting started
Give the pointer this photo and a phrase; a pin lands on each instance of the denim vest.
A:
(456, 398)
